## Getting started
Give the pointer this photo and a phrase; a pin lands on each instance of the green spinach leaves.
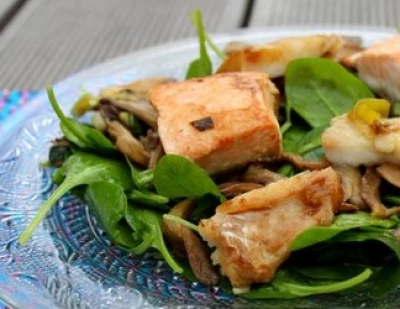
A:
(319, 89)
(84, 136)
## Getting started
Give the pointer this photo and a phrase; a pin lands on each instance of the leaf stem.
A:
(214, 47)
(182, 222)
(286, 126)
(44, 209)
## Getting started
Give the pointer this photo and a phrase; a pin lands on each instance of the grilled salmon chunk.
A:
(272, 58)
(379, 67)
(221, 122)
(253, 232)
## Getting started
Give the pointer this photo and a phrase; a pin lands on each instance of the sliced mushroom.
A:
(184, 240)
(232, 189)
(371, 181)
(351, 184)
(151, 141)
(155, 156)
(108, 111)
(391, 173)
(137, 90)
(257, 174)
(127, 143)
(141, 109)
(303, 164)
(347, 207)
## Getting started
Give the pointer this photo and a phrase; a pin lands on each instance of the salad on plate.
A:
(275, 176)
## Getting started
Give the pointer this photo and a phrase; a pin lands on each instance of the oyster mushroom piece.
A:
(127, 143)
(185, 242)
(257, 174)
(303, 164)
(134, 98)
(351, 184)
(371, 181)
(138, 90)
(391, 173)
(232, 189)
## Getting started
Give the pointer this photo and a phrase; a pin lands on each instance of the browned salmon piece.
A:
(379, 67)
(220, 122)
(253, 232)
(272, 58)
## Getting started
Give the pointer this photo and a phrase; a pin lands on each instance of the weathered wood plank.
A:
(52, 39)
(364, 13)
(5, 5)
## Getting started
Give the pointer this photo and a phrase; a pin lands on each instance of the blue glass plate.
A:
(69, 262)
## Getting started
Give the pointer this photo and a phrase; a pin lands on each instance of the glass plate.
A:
(69, 262)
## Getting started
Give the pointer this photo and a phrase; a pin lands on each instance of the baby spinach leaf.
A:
(80, 134)
(342, 222)
(148, 233)
(201, 66)
(107, 201)
(79, 169)
(178, 177)
(319, 89)
(382, 235)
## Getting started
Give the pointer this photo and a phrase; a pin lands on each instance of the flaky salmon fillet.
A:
(221, 122)
(379, 67)
(272, 58)
(253, 232)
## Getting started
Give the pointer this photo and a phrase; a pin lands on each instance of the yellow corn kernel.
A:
(370, 110)
(84, 104)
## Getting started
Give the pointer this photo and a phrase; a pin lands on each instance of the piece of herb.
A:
(202, 66)
(81, 135)
(203, 124)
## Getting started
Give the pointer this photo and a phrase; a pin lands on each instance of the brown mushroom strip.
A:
(303, 164)
(127, 143)
(184, 239)
(351, 184)
(232, 189)
(347, 207)
(257, 174)
(391, 173)
(370, 193)
(155, 156)
(151, 141)
(141, 109)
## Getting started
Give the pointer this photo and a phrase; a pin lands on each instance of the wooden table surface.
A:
(43, 41)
